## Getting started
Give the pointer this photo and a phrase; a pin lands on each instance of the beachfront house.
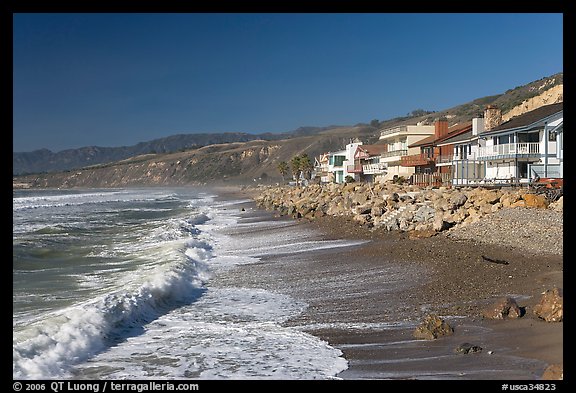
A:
(333, 167)
(523, 148)
(367, 164)
(397, 140)
(432, 165)
(464, 163)
(321, 168)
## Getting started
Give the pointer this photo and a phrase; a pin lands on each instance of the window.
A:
(528, 137)
(403, 145)
(338, 160)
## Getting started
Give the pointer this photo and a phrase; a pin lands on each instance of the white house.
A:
(524, 147)
(333, 167)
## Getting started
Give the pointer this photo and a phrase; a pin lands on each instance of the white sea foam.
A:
(48, 348)
(152, 312)
(230, 333)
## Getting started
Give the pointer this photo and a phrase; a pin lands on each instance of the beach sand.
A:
(366, 300)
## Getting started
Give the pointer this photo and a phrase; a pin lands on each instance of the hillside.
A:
(44, 160)
(244, 162)
(229, 162)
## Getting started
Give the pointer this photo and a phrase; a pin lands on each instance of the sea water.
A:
(116, 284)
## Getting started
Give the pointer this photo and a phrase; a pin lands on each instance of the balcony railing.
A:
(469, 156)
(392, 131)
(416, 160)
(444, 159)
(374, 169)
(394, 153)
(508, 149)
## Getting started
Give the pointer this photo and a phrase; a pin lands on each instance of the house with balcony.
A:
(526, 146)
(433, 164)
(321, 168)
(367, 163)
(333, 167)
(465, 166)
(397, 140)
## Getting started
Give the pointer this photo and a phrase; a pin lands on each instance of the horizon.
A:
(109, 80)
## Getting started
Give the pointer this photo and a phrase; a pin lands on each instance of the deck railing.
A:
(374, 169)
(507, 149)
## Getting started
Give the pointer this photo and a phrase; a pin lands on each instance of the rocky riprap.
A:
(389, 206)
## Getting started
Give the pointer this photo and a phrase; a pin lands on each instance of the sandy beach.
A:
(366, 300)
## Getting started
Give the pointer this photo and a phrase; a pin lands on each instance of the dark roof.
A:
(528, 118)
(459, 138)
(373, 150)
(453, 131)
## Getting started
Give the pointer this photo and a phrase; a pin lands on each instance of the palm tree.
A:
(295, 166)
(306, 166)
(283, 169)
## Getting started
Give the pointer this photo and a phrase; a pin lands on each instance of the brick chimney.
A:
(492, 117)
(440, 127)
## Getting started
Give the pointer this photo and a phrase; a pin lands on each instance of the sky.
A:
(117, 79)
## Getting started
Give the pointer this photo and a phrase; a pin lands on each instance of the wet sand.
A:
(367, 300)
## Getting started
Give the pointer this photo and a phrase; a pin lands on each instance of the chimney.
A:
(440, 127)
(492, 117)
(477, 125)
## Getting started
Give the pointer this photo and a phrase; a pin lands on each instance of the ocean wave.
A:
(50, 347)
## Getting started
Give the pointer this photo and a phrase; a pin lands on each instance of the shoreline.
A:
(455, 282)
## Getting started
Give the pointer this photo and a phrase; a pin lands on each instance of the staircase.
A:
(388, 219)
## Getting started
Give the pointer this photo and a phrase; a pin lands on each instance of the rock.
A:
(359, 198)
(377, 211)
(424, 213)
(558, 205)
(550, 307)
(440, 225)
(535, 200)
(554, 372)
(519, 203)
(502, 309)
(362, 209)
(488, 196)
(432, 328)
(508, 199)
(467, 348)
(393, 197)
(458, 198)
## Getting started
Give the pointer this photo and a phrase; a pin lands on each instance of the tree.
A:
(283, 169)
(306, 166)
(375, 123)
(295, 166)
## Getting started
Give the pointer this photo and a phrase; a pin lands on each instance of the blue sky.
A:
(107, 79)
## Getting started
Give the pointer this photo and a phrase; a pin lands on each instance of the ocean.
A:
(118, 284)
